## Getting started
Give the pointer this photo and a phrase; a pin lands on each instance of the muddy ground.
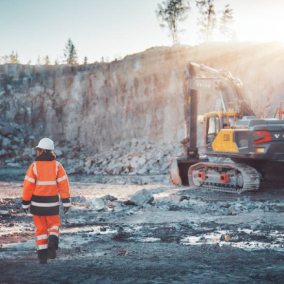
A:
(185, 236)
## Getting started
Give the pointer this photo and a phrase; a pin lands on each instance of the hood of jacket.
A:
(46, 156)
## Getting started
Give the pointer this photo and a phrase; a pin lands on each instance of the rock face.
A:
(93, 108)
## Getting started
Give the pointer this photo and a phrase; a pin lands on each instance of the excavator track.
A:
(241, 177)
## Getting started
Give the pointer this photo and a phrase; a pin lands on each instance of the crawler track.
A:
(241, 177)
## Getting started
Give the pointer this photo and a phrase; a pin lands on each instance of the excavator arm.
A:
(220, 85)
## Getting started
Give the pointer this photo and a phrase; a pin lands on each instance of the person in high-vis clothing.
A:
(44, 181)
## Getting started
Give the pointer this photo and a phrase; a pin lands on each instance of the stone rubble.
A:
(136, 157)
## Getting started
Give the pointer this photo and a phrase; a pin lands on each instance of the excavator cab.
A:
(214, 122)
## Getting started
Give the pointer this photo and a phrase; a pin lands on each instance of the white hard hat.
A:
(46, 144)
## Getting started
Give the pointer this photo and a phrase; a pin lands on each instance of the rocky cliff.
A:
(97, 106)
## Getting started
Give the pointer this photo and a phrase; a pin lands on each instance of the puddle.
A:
(132, 229)
(205, 239)
(148, 240)
(275, 240)
(258, 246)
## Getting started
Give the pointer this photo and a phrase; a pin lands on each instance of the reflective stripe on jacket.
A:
(43, 182)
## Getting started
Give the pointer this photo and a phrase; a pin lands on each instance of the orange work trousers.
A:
(46, 226)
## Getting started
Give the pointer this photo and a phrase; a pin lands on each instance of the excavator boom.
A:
(222, 86)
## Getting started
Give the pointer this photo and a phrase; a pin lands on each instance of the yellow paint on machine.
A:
(224, 142)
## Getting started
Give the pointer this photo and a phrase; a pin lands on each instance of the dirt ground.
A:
(185, 236)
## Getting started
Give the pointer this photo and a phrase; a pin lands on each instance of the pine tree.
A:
(226, 21)
(56, 61)
(170, 13)
(207, 21)
(85, 60)
(46, 60)
(5, 59)
(38, 61)
(14, 58)
(70, 53)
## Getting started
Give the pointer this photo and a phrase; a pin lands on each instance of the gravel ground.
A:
(185, 235)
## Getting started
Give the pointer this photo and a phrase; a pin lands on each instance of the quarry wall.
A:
(100, 105)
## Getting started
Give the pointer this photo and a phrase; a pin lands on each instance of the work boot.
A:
(52, 246)
(51, 251)
(42, 255)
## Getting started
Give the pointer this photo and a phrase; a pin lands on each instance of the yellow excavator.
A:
(242, 152)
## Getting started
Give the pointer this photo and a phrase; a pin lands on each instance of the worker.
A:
(45, 179)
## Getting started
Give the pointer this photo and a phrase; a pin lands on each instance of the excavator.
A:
(242, 152)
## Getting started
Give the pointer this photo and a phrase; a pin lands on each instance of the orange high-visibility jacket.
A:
(43, 182)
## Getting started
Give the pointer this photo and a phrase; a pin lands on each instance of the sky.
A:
(115, 28)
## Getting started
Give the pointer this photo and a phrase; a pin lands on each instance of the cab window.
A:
(213, 128)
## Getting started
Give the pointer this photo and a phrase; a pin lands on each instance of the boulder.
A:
(141, 197)
(6, 142)
(134, 163)
(142, 171)
(89, 162)
(109, 197)
(112, 165)
(115, 205)
(78, 199)
(141, 161)
(96, 203)
(7, 129)
(75, 170)
(175, 198)
(23, 158)
(3, 152)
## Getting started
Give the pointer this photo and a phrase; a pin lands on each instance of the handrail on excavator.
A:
(280, 111)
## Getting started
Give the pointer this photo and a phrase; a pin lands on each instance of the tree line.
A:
(69, 57)
(171, 13)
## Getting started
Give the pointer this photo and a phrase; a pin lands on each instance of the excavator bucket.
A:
(179, 170)
(175, 173)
